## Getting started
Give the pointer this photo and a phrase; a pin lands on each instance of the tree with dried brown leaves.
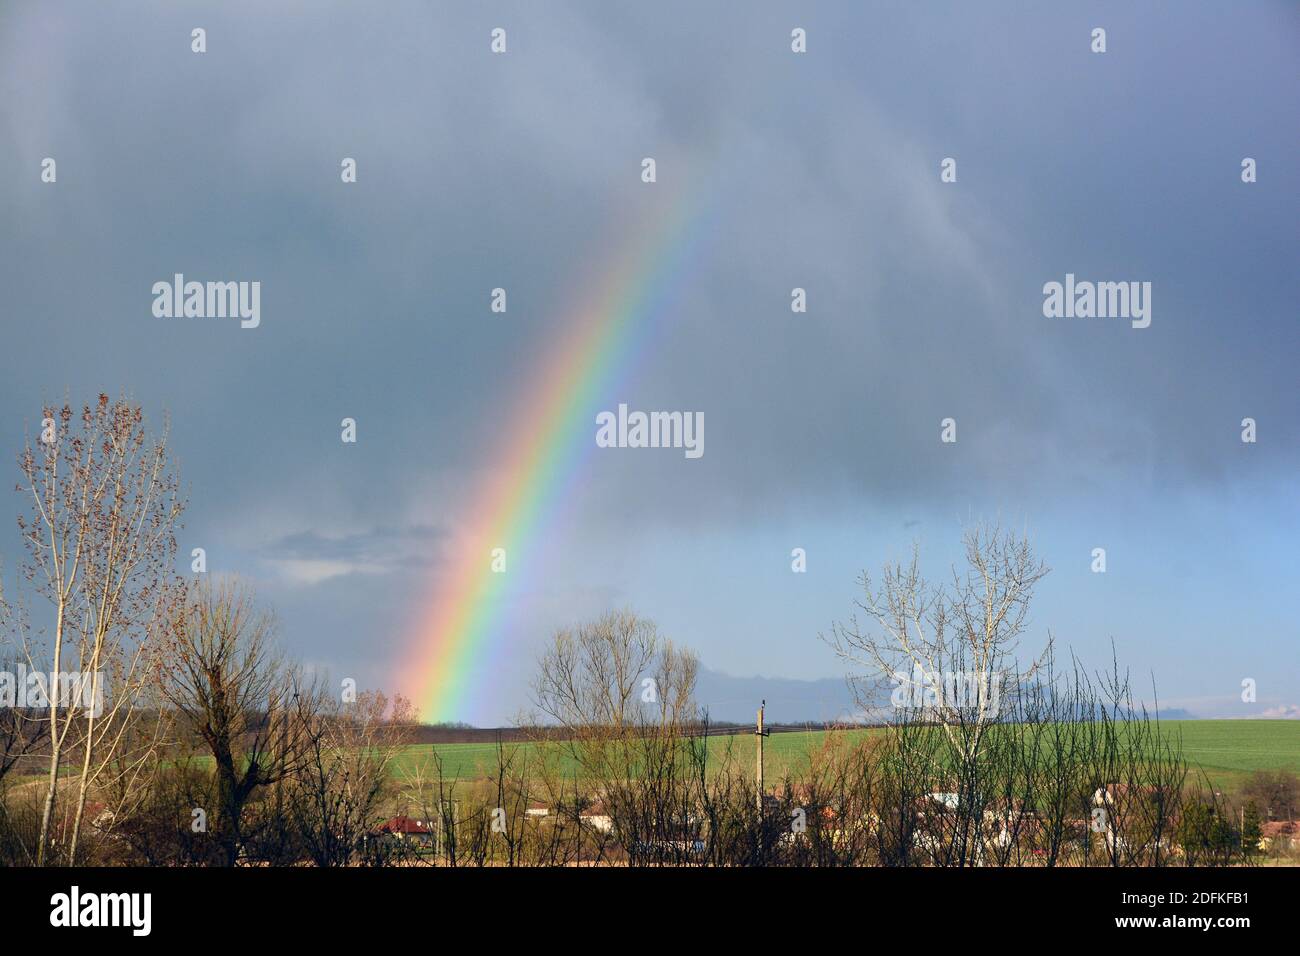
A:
(100, 539)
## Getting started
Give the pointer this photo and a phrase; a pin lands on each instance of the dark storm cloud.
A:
(522, 171)
(476, 172)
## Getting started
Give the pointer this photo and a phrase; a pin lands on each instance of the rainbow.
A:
(546, 443)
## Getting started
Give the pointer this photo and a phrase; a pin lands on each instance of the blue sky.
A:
(821, 171)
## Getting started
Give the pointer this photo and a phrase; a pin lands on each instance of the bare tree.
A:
(349, 751)
(951, 652)
(623, 697)
(1041, 770)
(21, 731)
(951, 649)
(1276, 794)
(22, 734)
(224, 675)
(104, 505)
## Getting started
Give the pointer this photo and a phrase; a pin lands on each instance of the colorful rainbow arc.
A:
(546, 444)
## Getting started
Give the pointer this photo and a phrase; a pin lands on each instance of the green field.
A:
(1227, 751)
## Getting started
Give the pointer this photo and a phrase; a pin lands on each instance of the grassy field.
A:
(1227, 751)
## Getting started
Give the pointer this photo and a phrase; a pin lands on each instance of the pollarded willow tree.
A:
(223, 673)
(104, 505)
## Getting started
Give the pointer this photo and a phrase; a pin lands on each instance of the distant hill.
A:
(789, 701)
(825, 700)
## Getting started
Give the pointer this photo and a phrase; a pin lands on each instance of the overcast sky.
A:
(818, 170)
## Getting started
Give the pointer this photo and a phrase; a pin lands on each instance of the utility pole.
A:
(759, 734)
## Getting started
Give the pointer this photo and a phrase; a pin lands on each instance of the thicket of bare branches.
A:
(335, 799)
(213, 748)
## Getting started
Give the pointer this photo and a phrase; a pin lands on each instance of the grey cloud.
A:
(522, 171)
(383, 546)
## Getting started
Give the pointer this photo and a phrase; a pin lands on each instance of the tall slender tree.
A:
(100, 538)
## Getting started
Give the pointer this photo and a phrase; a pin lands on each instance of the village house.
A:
(408, 830)
(597, 817)
(1280, 835)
